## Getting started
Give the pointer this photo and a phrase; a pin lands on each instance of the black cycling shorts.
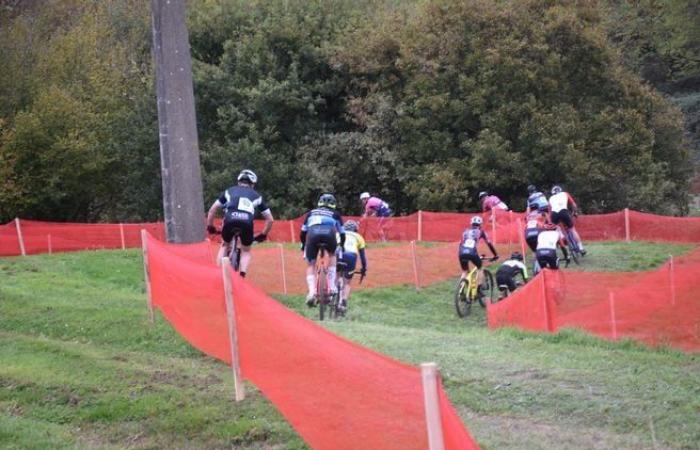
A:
(348, 263)
(531, 238)
(547, 258)
(505, 279)
(244, 228)
(563, 216)
(319, 236)
(465, 257)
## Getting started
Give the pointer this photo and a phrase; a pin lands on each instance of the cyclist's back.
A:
(563, 207)
(536, 200)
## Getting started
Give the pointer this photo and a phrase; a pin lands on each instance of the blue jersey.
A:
(537, 200)
(323, 216)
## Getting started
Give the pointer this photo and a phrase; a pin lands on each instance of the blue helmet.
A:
(351, 225)
(327, 200)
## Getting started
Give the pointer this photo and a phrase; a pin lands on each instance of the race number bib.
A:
(246, 205)
(469, 243)
(315, 220)
(532, 224)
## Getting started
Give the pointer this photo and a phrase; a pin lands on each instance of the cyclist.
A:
(240, 203)
(374, 206)
(468, 251)
(354, 247)
(505, 275)
(547, 242)
(490, 202)
(319, 229)
(562, 206)
(536, 200)
(535, 222)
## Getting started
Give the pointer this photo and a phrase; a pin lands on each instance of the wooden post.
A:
(672, 279)
(627, 225)
(20, 238)
(147, 273)
(291, 230)
(510, 230)
(521, 238)
(420, 225)
(429, 374)
(545, 308)
(48, 238)
(284, 270)
(493, 225)
(613, 319)
(232, 331)
(415, 265)
(121, 233)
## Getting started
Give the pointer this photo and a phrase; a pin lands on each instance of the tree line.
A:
(424, 103)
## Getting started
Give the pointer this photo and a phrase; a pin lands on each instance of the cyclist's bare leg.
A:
(223, 252)
(382, 235)
(332, 261)
(578, 238)
(246, 257)
(311, 280)
(345, 295)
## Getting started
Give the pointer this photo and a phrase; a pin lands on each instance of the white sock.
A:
(311, 283)
(331, 275)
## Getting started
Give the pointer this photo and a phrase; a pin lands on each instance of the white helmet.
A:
(364, 196)
(248, 176)
(477, 220)
(556, 189)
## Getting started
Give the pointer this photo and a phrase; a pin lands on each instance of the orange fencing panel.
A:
(9, 241)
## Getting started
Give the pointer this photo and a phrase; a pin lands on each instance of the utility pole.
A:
(179, 150)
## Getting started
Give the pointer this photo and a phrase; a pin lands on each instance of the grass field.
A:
(80, 367)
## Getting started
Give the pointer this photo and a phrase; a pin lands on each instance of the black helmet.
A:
(516, 255)
(247, 176)
(531, 189)
(327, 200)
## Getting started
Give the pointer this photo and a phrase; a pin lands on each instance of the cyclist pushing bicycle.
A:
(240, 203)
(319, 231)
(468, 251)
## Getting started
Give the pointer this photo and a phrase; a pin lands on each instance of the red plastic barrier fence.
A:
(659, 307)
(503, 227)
(336, 394)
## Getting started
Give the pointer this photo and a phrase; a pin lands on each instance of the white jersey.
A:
(515, 264)
(559, 201)
(548, 239)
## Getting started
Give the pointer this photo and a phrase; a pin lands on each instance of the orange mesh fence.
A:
(336, 394)
(503, 227)
(659, 307)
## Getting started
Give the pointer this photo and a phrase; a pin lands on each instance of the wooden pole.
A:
(545, 308)
(420, 225)
(20, 238)
(284, 270)
(521, 238)
(415, 264)
(232, 331)
(493, 225)
(147, 273)
(429, 374)
(627, 225)
(49, 242)
(121, 233)
(613, 319)
(291, 230)
(672, 279)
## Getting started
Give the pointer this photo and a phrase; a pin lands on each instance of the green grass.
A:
(80, 367)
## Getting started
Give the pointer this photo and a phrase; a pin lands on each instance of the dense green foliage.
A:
(425, 103)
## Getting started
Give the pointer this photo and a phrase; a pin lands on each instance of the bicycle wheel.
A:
(322, 293)
(573, 247)
(462, 303)
(336, 310)
(487, 292)
(235, 254)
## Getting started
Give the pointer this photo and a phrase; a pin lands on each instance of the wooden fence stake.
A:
(493, 225)
(521, 238)
(48, 238)
(232, 331)
(415, 265)
(627, 225)
(20, 238)
(121, 233)
(291, 230)
(284, 270)
(147, 273)
(613, 319)
(420, 225)
(672, 279)
(545, 308)
(429, 374)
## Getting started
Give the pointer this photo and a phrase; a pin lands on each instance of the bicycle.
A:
(573, 245)
(504, 291)
(324, 298)
(339, 305)
(467, 291)
(234, 251)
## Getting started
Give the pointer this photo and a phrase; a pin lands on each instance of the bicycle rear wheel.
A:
(574, 250)
(462, 303)
(322, 293)
(487, 292)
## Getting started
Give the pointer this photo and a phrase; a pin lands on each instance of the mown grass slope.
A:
(82, 368)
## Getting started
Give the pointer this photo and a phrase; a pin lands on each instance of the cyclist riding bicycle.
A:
(354, 246)
(240, 203)
(535, 222)
(374, 206)
(562, 207)
(490, 202)
(468, 251)
(536, 200)
(547, 242)
(505, 275)
(319, 230)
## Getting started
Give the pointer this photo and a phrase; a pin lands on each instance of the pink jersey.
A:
(373, 204)
(491, 201)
